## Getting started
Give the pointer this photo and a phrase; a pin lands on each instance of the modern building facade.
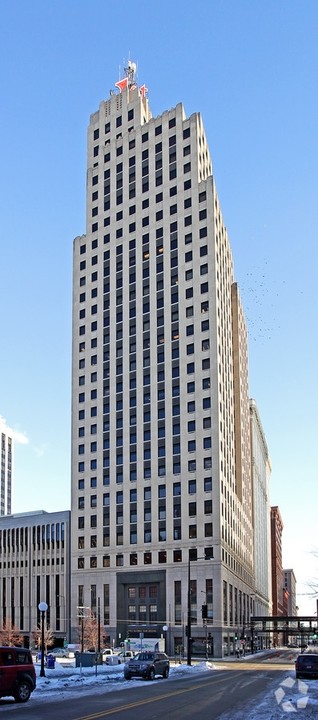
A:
(279, 602)
(6, 468)
(162, 505)
(35, 567)
(290, 584)
(261, 470)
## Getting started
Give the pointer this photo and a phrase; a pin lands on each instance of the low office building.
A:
(35, 567)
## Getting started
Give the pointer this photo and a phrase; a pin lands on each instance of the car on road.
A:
(147, 665)
(17, 673)
(306, 665)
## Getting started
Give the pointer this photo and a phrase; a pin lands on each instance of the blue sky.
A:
(250, 67)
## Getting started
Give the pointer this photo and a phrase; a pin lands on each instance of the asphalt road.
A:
(188, 698)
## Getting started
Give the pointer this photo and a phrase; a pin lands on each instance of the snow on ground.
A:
(65, 679)
(290, 696)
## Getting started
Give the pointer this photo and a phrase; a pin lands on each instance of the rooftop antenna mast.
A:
(130, 72)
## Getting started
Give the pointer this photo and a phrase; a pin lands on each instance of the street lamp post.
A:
(205, 623)
(252, 597)
(98, 625)
(165, 628)
(189, 639)
(42, 606)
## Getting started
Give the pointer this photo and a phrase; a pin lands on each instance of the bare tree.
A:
(48, 636)
(88, 631)
(313, 583)
(10, 634)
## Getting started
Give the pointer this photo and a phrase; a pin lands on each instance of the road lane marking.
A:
(137, 703)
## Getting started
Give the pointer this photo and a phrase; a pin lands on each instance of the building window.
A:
(208, 507)
(192, 487)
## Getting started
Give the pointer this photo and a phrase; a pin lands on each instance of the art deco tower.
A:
(161, 481)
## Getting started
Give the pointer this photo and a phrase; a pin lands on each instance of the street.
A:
(209, 694)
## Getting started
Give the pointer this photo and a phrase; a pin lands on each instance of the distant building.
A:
(6, 468)
(290, 586)
(35, 567)
(277, 562)
(261, 469)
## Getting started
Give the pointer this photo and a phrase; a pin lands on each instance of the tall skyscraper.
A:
(6, 468)
(290, 585)
(161, 478)
(261, 470)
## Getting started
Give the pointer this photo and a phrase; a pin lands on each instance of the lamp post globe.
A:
(42, 606)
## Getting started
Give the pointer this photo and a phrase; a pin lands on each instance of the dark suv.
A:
(17, 673)
(147, 665)
(306, 665)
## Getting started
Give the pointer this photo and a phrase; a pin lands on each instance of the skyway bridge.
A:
(302, 627)
(280, 623)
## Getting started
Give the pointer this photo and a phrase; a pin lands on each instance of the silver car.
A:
(147, 665)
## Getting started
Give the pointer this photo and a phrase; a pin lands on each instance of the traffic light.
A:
(204, 612)
(236, 636)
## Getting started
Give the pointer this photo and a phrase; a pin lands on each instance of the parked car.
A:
(117, 658)
(126, 655)
(113, 660)
(306, 665)
(147, 665)
(59, 652)
(106, 653)
(17, 673)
